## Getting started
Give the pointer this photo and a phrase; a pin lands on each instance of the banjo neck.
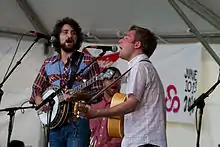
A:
(83, 85)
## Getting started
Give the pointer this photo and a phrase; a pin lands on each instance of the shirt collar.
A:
(136, 59)
(58, 58)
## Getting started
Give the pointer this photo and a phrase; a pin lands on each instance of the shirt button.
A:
(100, 135)
(102, 127)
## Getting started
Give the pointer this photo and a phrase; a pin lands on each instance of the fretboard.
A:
(83, 85)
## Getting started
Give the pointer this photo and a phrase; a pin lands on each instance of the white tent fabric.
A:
(17, 90)
(98, 18)
(102, 17)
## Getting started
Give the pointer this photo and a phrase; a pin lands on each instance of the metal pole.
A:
(203, 12)
(195, 31)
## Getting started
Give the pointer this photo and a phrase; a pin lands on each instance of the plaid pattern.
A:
(54, 72)
(99, 130)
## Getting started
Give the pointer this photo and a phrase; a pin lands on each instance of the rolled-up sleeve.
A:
(40, 84)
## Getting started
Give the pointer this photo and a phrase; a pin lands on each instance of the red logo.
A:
(170, 101)
(106, 60)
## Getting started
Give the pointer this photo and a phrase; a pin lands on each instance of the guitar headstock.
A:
(108, 74)
(80, 109)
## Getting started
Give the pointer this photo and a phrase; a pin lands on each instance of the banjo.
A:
(61, 107)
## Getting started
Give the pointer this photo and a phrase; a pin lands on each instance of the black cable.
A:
(22, 110)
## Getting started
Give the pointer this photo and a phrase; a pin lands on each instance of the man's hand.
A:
(80, 109)
(92, 113)
(79, 96)
(67, 96)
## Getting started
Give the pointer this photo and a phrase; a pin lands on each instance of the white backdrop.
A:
(179, 69)
(18, 87)
(17, 90)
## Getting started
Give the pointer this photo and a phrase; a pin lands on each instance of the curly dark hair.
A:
(146, 37)
(57, 30)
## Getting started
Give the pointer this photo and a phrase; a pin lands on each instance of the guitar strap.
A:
(74, 68)
(145, 60)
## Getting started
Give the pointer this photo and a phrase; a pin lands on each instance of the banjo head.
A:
(44, 116)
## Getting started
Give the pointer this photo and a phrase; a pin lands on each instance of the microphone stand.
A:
(11, 113)
(200, 104)
(51, 101)
(51, 104)
(100, 55)
(19, 62)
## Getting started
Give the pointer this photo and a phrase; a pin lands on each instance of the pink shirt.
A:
(99, 129)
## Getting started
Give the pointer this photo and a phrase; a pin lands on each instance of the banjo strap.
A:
(74, 68)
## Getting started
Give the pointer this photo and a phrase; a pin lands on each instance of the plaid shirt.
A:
(99, 129)
(55, 73)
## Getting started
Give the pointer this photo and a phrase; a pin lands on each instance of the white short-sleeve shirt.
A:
(147, 124)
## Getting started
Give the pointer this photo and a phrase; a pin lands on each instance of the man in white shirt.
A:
(144, 109)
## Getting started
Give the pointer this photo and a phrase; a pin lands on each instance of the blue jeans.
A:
(75, 134)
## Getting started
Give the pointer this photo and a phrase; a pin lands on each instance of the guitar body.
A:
(116, 123)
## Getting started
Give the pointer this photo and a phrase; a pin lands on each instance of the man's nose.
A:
(120, 41)
(69, 34)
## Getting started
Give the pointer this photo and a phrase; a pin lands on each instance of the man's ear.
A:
(137, 44)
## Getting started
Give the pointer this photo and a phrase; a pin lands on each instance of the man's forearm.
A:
(38, 99)
(119, 110)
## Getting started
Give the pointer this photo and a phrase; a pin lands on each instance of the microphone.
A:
(51, 39)
(41, 35)
(113, 48)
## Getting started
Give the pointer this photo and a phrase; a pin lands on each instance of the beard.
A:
(68, 49)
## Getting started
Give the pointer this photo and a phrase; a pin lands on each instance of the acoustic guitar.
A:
(116, 123)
